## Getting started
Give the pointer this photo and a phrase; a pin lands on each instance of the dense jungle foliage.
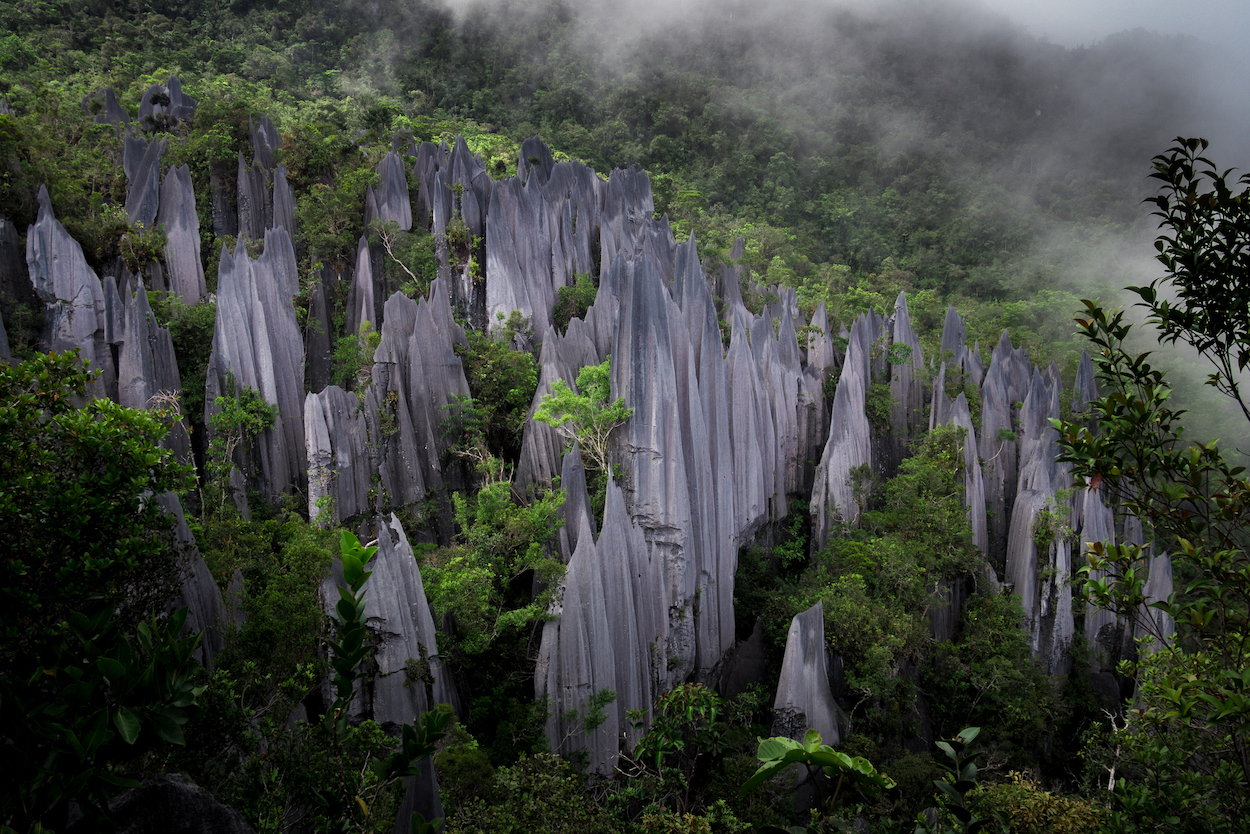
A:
(858, 155)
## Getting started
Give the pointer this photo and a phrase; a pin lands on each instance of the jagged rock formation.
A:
(72, 295)
(391, 196)
(410, 677)
(169, 802)
(416, 374)
(147, 369)
(165, 105)
(144, 193)
(1098, 525)
(255, 207)
(283, 202)
(257, 344)
(804, 699)
(609, 634)
(834, 495)
(206, 612)
(106, 108)
(906, 388)
(339, 467)
(182, 228)
(15, 286)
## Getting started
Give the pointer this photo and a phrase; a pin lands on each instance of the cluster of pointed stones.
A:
(720, 441)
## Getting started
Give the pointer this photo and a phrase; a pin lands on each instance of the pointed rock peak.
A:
(739, 249)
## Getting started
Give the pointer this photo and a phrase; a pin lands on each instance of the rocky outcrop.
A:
(804, 699)
(182, 229)
(15, 286)
(416, 375)
(576, 659)
(144, 194)
(106, 109)
(283, 203)
(410, 677)
(339, 468)
(834, 494)
(391, 196)
(147, 369)
(170, 803)
(72, 295)
(164, 106)
(254, 203)
(906, 388)
(206, 611)
(257, 344)
(1098, 525)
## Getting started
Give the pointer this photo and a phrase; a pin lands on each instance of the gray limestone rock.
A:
(72, 295)
(337, 442)
(953, 350)
(283, 203)
(265, 140)
(906, 387)
(848, 446)
(576, 507)
(364, 302)
(1158, 588)
(106, 109)
(167, 804)
(144, 193)
(147, 369)
(1098, 525)
(804, 700)
(974, 486)
(182, 228)
(416, 374)
(535, 158)
(998, 451)
(206, 611)
(224, 207)
(1045, 597)
(257, 343)
(577, 658)
(255, 206)
(392, 192)
(134, 146)
(320, 324)
(15, 286)
(654, 462)
(164, 106)
(1085, 390)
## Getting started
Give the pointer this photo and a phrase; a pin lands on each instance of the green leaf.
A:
(127, 723)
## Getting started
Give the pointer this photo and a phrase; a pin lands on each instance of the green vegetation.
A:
(853, 171)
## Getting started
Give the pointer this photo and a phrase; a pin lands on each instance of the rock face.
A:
(182, 227)
(147, 369)
(539, 231)
(165, 105)
(107, 108)
(144, 195)
(906, 388)
(834, 498)
(416, 374)
(72, 295)
(391, 195)
(206, 612)
(337, 439)
(171, 804)
(257, 344)
(804, 699)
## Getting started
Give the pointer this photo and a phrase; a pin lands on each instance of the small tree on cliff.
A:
(588, 417)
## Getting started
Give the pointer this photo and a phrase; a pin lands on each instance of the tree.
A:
(587, 417)
(1186, 739)
(89, 676)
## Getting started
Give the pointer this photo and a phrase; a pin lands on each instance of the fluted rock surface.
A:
(206, 612)
(165, 105)
(182, 229)
(72, 295)
(258, 344)
(906, 387)
(147, 369)
(335, 431)
(849, 443)
(144, 193)
(391, 195)
(416, 374)
(804, 699)
(577, 659)
(1098, 525)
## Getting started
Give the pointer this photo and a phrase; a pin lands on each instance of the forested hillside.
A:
(637, 387)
